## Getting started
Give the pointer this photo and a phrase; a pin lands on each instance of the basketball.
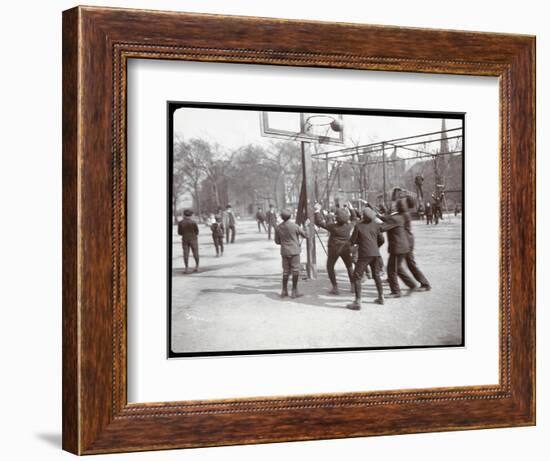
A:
(336, 125)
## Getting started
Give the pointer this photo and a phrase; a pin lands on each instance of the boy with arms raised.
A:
(368, 236)
(338, 242)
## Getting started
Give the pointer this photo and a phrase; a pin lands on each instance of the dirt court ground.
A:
(233, 304)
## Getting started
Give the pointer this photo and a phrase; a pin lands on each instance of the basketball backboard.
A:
(303, 126)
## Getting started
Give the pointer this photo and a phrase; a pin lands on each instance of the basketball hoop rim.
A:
(319, 116)
(304, 134)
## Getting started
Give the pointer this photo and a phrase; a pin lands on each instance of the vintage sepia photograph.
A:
(313, 229)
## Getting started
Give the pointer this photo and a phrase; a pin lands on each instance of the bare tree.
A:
(248, 174)
(188, 169)
(215, 165)
(285, 160)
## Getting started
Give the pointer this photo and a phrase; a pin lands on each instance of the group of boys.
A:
(349, 228)
(224, 224)
(270, 217)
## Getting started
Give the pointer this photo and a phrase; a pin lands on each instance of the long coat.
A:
(188, 229)
(260, 216)
(369, 238)
(398, 238)
(287, 234)
(271, 217)
(228, 219)
(338, 232)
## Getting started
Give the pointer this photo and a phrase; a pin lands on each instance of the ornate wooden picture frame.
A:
(97, 44)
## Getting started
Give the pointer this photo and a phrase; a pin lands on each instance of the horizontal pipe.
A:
(379, 143)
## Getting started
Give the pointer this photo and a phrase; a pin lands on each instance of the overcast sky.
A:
(235, 128)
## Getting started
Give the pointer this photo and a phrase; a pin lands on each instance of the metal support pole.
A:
(384, 173)
(436, 172)
(364, 185)
(328, 180)
(354, 178)
(367, 180)
(308, 185)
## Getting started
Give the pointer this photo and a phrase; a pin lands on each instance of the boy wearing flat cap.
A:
(399, 246)
(287, 235)
(189, 232)
(338, 243)
(368, 236)
(271, 219)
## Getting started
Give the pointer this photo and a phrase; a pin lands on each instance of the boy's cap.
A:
(286, 214)
(342, 214)
(188, 212)
(369, 213)
(401, 205)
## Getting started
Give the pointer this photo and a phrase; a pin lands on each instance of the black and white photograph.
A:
(304, 229)
(275, 230)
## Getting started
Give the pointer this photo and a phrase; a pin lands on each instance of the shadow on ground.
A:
(315, 293)
(51, 438)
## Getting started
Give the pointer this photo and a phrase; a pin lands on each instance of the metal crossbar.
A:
(355, 150)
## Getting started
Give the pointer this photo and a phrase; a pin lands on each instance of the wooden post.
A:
(308, 185)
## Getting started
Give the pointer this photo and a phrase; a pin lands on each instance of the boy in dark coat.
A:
(368, 236)
(189, 232)
(229, 224)
(420, 211)
(409, 259)
(437, 206)
(338, 243)
(398, 248)
(217, 235)
(271, 218)
(287, 235)
(260, 219)
(429, 213)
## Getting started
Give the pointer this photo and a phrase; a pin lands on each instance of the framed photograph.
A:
(271, 235)
(236, 246)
